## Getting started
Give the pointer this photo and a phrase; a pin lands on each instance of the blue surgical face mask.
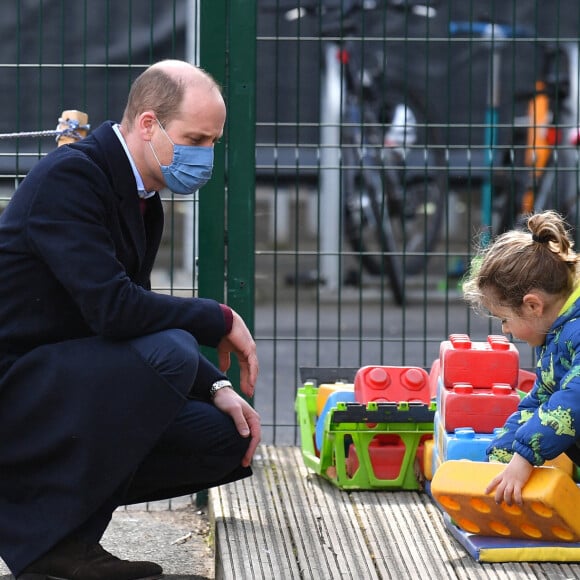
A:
(190, 168)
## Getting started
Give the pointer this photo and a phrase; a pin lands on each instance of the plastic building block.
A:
(331, 402)
(526, 380)
(392, 384)
(386, 453)
(549, 511)
(480, 364)
(358, 424)
(481, 409)
(434, 375)
(420, 457)
(428, 459)
(463, 443)
(326, 389)
(436, 460)
(562, 462)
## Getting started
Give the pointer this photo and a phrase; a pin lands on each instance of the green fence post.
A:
(241, 157)
(212, 224)
(212, 218)
(228, 52)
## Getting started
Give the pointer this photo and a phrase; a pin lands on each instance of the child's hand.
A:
(509, 483)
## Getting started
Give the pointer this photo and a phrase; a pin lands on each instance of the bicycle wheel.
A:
(406, 200)
(367, 222)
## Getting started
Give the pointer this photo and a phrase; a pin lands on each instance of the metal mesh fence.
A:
(392, 137)
(60, 55)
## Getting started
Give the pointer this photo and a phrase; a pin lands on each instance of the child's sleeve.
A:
(548, 428)
(502, 447)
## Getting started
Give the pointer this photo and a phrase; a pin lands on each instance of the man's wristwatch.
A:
(222, 384)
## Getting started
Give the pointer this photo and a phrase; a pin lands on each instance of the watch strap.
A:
(221, 384)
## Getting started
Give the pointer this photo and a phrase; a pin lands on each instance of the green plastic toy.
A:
(358, 424)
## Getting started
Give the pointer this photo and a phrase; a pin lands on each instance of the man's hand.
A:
(245, 417)
(240, 342)
(509, 483)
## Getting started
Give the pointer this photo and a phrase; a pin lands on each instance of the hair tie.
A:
(540, 239)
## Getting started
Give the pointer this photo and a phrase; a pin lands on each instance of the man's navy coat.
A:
(78, 409)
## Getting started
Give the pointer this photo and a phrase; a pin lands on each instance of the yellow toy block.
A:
(550, 502)
(562, 462)
(325, 390)
(428, 459)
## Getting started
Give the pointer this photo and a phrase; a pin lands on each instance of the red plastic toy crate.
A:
(481, 364)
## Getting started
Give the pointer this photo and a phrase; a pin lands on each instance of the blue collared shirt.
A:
(141, 191)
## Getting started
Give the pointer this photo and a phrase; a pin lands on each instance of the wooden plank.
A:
(315, 558)
(389, 523)
(326, 510)
(252, 540)
(287, 522)
(277, 534)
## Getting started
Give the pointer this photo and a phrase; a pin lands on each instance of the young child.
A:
(529, 280)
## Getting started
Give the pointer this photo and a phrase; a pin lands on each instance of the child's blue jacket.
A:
(546, 422)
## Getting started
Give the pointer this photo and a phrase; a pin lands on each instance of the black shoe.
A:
(73, 560)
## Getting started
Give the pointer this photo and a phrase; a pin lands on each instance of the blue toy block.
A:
(331, 402)
(463, 443)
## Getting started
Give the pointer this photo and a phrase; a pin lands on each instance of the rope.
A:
(70, 129)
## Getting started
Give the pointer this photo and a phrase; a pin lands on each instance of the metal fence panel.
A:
(365, 110)
(394, 136)
(59, 55)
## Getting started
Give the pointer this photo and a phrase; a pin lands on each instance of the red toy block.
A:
(526, 380)
(481, 364)
(386, 453)
(434, 374)
(481, 409)
(391, 384)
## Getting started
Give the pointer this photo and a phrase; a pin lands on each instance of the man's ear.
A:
(533, 304)
(146, 123)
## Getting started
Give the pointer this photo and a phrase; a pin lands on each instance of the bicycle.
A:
(553, 141)
(492, 202)
(393, 210)
(392, 193)
(550, 150)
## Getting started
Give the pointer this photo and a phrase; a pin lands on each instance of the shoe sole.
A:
(45, 577)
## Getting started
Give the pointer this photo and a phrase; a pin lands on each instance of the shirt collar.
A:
(571, 299)
(141, 191)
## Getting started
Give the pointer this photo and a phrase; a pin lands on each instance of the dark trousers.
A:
(201, 448)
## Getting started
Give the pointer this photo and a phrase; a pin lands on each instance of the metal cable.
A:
(71, 129)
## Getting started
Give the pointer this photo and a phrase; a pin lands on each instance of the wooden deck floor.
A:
(288, 523)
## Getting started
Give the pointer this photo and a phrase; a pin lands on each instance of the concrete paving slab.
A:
(176, 534)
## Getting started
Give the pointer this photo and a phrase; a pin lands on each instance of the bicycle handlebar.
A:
(489, 30)
(342, 17)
